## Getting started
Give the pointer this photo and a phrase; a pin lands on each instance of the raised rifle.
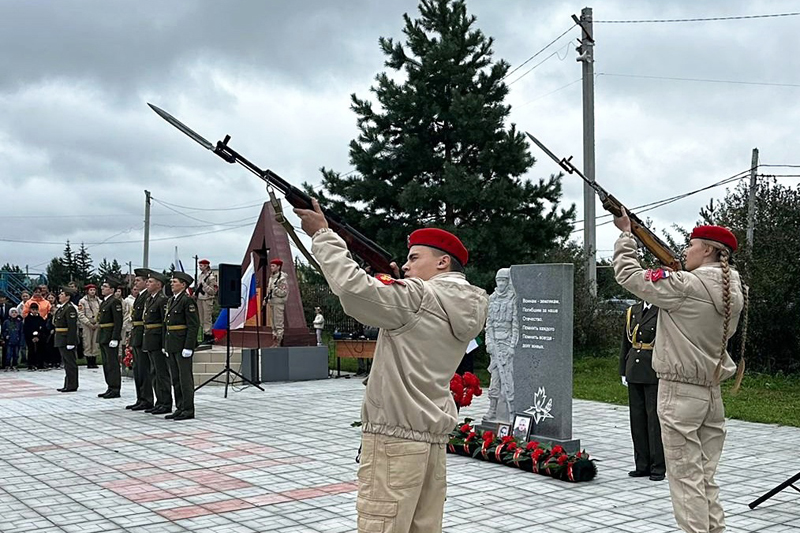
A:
(649, 240)
(366, 249)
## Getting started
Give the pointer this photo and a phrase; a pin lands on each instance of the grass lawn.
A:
(762, 398)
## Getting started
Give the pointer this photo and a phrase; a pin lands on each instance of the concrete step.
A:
(216, 356)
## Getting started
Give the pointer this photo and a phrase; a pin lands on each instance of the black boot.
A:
(91, 362)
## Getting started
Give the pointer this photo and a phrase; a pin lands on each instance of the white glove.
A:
(113, 344)
(624, 381)
(70, 346)
(187, 353)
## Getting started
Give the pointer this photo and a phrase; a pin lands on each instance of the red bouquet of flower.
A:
(127, 361)
(463, 388)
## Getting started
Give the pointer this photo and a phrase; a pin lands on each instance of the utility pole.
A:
(751, 201)
(586, 56)
(130, 272)
(146, 228)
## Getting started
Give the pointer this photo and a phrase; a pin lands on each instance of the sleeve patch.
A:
(192, 308)
(656, 274)
(386, 279)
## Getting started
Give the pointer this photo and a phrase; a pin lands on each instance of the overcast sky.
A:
(78, 144)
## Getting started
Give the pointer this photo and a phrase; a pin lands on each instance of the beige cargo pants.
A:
(401, 485)
(693, 431)
(204, 308)
(90, 346)
(276, 312)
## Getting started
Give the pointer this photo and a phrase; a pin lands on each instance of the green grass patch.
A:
(766, 399)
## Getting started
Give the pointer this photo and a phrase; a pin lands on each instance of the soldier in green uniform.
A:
(65, 322)
(180, 339)
(153, 342)
(142, 372)
(110, 322)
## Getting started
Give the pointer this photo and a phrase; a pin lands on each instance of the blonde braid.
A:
(740, 372)
(724, 257)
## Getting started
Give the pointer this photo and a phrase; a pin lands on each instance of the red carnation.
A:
(472, 382)
(563, 459)
(532, 445)
(557, 449)
(488, 436)
(507, 439)
(471, 435)
(466, 428)
(457, 389)
(511, 446)
(538, 452)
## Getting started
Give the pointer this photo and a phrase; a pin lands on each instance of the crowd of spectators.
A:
(27, 333)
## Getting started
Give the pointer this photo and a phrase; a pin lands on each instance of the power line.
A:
(234, 208)
(736, 82)
(536, 66)
(707, 19)
(548, 94)
(551, 43)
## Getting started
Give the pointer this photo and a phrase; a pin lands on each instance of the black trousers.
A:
(68, 358)
(111, 369)
(142, 376)
(161, 379)
(648, 451)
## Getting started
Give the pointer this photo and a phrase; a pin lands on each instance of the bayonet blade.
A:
(183, 127)
(560, 162)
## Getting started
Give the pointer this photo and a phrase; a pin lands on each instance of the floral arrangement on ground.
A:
(532, 456)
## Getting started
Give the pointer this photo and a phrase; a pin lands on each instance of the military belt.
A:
(107, 325)
(152, 326)
(62, 330)
(642, 345)
(138, 323)
(177, 328)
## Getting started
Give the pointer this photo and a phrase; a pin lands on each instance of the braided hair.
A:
(724, 260)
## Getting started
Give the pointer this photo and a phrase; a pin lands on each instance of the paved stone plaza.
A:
(283, 460)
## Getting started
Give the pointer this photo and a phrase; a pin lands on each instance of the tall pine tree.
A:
(436, 151)
(68, 262)
(83, 265)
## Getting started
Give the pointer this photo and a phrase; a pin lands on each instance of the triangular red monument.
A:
(270, 241)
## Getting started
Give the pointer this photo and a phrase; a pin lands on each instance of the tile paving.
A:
(283, 460)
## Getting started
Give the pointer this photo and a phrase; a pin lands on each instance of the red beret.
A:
(441, 240)
(204, 262)
(90, 286)
(276, 262)
(716, 234)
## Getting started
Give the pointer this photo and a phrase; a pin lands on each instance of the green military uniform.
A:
(65, 322)
(153, 344)
(181, 324)
(142, 371)
(110, 322)
(636, 366)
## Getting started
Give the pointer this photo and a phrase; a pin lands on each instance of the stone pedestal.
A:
(292, 363)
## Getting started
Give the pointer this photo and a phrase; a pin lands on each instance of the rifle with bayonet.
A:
(359, 245)
(648, 239)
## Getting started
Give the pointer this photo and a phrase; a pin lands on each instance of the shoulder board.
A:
(656, 274)
(386, 279)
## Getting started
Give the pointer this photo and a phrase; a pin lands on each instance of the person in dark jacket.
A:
(636, 370)
(13, 339)
(35, 333)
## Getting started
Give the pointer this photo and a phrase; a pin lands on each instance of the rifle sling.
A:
(276, 206)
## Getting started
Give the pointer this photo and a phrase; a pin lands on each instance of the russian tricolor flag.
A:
(248, 307)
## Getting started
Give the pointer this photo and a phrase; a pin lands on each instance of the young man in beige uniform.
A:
(205, 292)
(88, 311)
(699, 312)
(426, 321)
(277, 294)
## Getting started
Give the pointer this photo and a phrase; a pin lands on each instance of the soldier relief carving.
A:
(502, 333)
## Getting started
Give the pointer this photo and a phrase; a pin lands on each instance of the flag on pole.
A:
(474, 343)
(247, 308)
(178, 263)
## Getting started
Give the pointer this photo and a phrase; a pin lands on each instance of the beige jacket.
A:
(278, 288)
(425, 329)
(690, 319)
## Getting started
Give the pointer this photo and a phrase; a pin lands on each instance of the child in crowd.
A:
(35, 337)
(14, 339)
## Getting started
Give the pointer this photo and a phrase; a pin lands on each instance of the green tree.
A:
(8, 267)
(83, 265)
(769, 268)
(109, 270)
(57, 274)
(68, 263)
(437, 152)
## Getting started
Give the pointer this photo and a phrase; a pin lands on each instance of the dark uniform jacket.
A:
(137, 333)
(153, 318)
(65, 322)
(110, 320)
(636, 356)
(181, 324)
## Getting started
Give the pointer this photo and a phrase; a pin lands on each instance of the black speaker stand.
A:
(227, 370)
(788, 483)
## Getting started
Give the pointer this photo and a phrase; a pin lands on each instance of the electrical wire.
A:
(735, 82)
(548, 45)
(533, 67)
(234, 208)
(551, 92)
(706, 19)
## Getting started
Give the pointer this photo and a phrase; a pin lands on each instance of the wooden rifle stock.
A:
(649, 240)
